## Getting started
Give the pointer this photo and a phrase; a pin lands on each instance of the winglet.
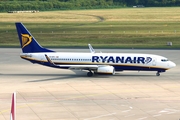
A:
(91, 48)
(13, 107)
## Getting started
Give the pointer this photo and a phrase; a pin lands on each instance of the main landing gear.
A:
(90, 74)
(158, 73)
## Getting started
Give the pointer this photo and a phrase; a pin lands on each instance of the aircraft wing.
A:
(81, 67)
(72, 67)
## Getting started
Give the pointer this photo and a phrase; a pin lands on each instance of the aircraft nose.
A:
(172, 64)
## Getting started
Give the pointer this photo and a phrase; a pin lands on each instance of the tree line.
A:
(43, 5)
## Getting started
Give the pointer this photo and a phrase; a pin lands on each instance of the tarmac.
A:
(54, 94)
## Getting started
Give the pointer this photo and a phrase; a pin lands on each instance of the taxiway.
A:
(53, 94)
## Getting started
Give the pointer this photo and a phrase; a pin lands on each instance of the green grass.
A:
(112, 28)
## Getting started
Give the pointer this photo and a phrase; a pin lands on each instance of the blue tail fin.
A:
(27, 41)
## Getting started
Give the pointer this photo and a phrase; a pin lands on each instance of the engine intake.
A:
(106, 70)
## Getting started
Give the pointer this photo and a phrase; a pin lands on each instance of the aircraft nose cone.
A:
(173, 64)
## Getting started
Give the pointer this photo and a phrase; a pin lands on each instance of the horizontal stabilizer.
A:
(51, 63)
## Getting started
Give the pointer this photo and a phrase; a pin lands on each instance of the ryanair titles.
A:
(121, 59)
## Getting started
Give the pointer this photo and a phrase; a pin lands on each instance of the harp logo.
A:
(26, 40)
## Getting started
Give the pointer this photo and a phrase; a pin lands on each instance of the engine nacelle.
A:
(106, 70)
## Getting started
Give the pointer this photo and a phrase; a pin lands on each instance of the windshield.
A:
(164, 60)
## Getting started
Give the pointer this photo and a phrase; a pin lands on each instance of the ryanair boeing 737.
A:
(93, 62)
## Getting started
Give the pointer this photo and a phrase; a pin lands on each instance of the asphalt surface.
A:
(53, 94)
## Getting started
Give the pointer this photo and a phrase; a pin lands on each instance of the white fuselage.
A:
(120, 61)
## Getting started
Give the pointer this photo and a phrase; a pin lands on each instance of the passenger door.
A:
(154, 62)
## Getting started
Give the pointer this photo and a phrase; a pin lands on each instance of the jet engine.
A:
(106, 70)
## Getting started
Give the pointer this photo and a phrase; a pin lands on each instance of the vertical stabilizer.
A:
(27, 41)
(13, 107)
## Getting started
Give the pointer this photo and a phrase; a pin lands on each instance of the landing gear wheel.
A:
(158, 74)
(89, 74)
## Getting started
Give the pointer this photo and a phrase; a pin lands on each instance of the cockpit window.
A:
(164, 60)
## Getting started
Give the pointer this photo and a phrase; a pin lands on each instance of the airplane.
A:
(13, 107)
(94, 63)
